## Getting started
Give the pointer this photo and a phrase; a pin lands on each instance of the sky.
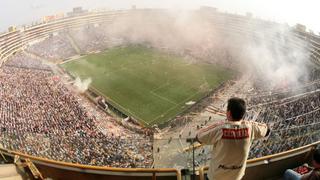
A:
(307, 12)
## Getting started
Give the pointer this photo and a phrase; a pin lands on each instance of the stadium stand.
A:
(43, 119)
(22, 60)
(53, 48)
(90, 38)
(37, 111)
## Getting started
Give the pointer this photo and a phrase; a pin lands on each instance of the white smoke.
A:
(82, 85)
(269, 50)
(278, 58)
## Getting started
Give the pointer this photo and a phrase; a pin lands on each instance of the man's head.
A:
(316, 158)
(236, 109)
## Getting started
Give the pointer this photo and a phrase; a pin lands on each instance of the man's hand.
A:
(191, 140)
(268, 130)
(196, 139)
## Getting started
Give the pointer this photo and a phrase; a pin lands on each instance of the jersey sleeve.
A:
(209, 135)
(259, 130)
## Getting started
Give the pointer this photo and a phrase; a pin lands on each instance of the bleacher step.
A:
(9, 171)
(17, 177)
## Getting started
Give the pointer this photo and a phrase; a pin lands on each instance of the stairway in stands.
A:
(35, 56)
(73, 43)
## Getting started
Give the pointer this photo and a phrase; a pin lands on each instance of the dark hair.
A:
(237, 107)
(316, 156)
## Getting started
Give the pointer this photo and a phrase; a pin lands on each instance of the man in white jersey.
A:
(231, 140)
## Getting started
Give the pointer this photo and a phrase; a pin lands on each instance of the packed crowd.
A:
(22, 60)
(54, 48)
(66, 44)
(89, 38)
(254, 100)
(261, 88)
(291, 107)
(294, 122)
(289, 134)
(41, 116)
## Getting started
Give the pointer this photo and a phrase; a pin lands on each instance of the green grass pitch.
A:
(149, 85)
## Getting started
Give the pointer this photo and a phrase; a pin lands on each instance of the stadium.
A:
(115, 94)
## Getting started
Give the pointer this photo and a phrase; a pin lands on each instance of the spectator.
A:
(306, 172)
(231, 141)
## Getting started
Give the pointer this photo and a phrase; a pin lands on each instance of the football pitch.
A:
(146, 84)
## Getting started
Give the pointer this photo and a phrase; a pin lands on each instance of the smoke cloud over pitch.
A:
(268, 50)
